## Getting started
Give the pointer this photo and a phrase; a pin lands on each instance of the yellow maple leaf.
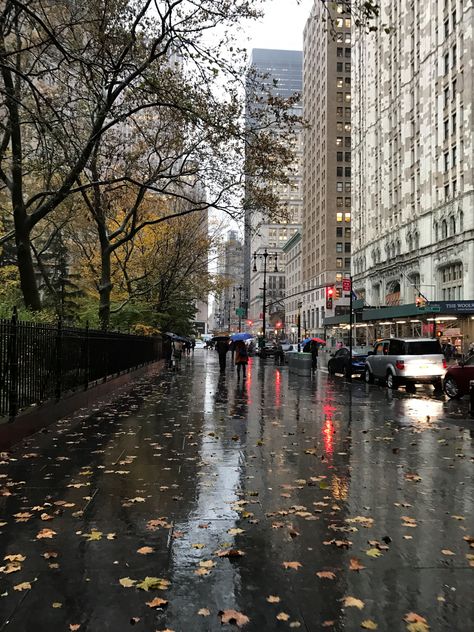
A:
(353, 602)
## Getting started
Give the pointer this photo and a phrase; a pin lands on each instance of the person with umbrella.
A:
(314, 350)
(222, 347)
(241, 358)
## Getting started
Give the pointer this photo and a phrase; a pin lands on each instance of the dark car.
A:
(339, 363)
(457, 378)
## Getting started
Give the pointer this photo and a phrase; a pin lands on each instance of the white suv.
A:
(406, 361)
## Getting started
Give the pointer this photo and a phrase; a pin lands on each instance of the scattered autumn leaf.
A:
(145, 550)
(294, 565)
(273, 599)
(374, 553)
(22, 586)
(233, 617)
(57, 604)
(74, 626)
(326, 575)
(230, 553)
(352, 602)
(15, 557)
(282, 616)
(153, 583)
(447, 552)
(93, 536)
(368, 624)
(355, 565)
(204, 612)
(416, 623)
(126, 582)
(235, 531)
(45, 533)
(157, 602)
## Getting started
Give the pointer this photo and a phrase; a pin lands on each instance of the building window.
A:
(338, 277)
(339, 82)
(347, 172)
(452, 226)
(339, 202)
(347, 262)
(347, 38)
(446, 63)
(347, 247)
(347, 217)
(348, 201)
(454, 55)
(339, 141)
(339, 66)
(347, 232)
(339, 96)
(339, 111)
(339, 187)
(339, 217)
(347, 52)
(339, 231)
(339, 126)
(340, 52)
(339, 262)
(444, 229)
(452, 282)
(446, 161)
(339, 156)
(453, 157)
(339, 172)
(347, 187)
(339, 247)
(347, 127)
(347, 66)
(446, 129)
(347, 156)
(347, 97)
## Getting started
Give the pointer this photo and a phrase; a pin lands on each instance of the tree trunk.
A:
(105, 287)
(26, 269)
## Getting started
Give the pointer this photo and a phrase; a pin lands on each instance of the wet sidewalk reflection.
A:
(298, 503)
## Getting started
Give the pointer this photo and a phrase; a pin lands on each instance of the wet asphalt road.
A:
(314, 472)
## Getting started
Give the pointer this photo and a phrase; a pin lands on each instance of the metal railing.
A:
(40, 362)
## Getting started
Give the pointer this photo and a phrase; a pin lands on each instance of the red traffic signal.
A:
(329, 296)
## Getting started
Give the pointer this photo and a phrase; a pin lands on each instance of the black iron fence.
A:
(39, 362)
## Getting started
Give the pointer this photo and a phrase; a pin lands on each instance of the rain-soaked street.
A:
(297, 502)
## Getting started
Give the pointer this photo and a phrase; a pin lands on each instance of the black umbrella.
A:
(217, 338)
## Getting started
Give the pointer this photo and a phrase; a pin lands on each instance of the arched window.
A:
(444, 229)
(436, 231)
(461, 221)
(417, 241)
(452, 226)
(399, 247)
(409, 243)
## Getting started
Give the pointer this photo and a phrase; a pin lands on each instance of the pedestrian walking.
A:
(232, 350)
(177, 352)
(241, 358)
(222, 347)
(279, 355)
(314, 349)
(193, 344)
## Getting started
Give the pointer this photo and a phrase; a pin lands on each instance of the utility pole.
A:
(265, 256)
(299, 324)
(351, 311)
(240, 288)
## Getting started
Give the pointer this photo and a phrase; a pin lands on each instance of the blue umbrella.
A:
(243, 336)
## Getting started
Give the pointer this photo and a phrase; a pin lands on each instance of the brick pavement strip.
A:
(200, 503)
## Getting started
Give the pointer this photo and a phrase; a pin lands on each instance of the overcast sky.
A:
(282, 26)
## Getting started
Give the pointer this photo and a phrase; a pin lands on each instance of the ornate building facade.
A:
(412, 154)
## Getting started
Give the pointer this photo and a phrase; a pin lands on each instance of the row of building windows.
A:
(342, 172)
(343, 66)
(343, 52)
(343, 263)
(343, 217)
(340, 202)
(343, 127)
(346, 247)
(346, 156)
(343, 231)
(448, 228)
(343, 186)
(341, 82)
(343, 96)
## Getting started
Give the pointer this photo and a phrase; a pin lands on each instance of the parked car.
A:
(457, 378)
(268, 350)
(200, 344)
(339, 362)
(406, 361)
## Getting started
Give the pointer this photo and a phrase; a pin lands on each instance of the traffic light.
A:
(420, 301)
(329, 296)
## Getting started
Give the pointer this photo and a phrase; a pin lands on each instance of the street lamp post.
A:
(240, 288)
(265, 256)
(299, 324)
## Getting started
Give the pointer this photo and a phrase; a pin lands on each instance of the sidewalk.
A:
(299, 503)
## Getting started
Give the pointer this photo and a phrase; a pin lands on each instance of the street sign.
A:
(346, 285)
(240, 311)
(434, 308)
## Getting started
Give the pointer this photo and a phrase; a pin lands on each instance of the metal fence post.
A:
(59, 354)
(86, 357)
(13, 366)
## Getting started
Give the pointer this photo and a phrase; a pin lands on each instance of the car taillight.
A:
(445, 364)
(400, 365)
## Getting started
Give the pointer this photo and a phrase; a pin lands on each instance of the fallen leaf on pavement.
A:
(294, 565)
(126, 582)
(352, 602)
(145, 550)
(57, 604)
(202, 572)
(373, 553)
(22, 586)
(157, 602)
(153, 583)
(282, 616)
(368, 624)
(447, 552)
(74, 626)
(273, 599)
(326, 575)
(93, 536)
(233, 617)
(11, 567)
(50, 554)
(230, 553)
(355, 565)
(45, 533)
(204, 612)
(207, 564)
(416, 623)
(17, 557)
(235, 531)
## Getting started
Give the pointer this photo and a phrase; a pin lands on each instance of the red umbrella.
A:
(320, 340)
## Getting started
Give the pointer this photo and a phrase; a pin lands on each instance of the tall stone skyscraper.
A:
(326, 246)
(413, 133)
(281, 72)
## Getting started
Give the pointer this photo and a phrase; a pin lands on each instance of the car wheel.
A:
(392, 382)
(368, 377)
(451, 388)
